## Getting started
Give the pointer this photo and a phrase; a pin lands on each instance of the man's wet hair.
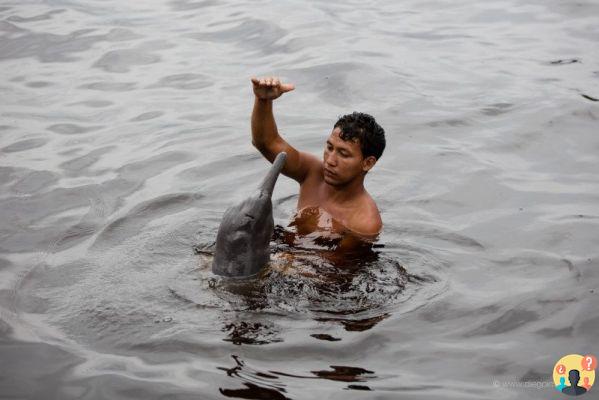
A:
(364, 128)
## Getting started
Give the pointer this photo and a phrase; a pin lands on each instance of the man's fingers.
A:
(273, 81)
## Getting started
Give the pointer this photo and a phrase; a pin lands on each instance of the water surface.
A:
(124, 135)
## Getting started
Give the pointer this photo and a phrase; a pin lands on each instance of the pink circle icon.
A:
(589, 362)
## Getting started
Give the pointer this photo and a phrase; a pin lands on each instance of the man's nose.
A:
(331, 158)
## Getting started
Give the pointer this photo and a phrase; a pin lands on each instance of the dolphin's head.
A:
(242, 242)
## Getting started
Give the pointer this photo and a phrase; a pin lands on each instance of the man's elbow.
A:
(260, 146)
(263, 149)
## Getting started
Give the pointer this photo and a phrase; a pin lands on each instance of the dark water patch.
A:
(34, 182)
(72, 129)
(337, 373)
(508, 321)
(60, 276)
(356, 325)
(4, 263)
(186, 5)
(358, 387)
(147, 116)
(38, 84)
(325, 336)
(438, 312)
(186, 81)
(8, 174)
(122, 35)
(80, 165)
(281, 200)
(137, 218)
(565, 61)
(195, 117)
(23, 145)
(449, 122)
(47, 47)
(5, 331)
(35, 18)
(345, 374)
(121, 61)
(26, 231)
(439, 234)
(109, 86)
(259, 35)
(556, 332)
(75, 234)
(587, 327)
(497, 109)
(141, 170)
(332, 81)
(223, 165)
(93, 103)
(434, 35)
(7, 27)
(253, 391)
(255, 333)
(31, 304)
(36, 370)
(259, 385)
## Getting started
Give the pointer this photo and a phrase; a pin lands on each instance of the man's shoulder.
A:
(367, 220)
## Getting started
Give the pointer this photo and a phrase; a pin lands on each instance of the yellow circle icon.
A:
(574, 374)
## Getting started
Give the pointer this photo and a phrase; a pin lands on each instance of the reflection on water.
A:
(267, 385)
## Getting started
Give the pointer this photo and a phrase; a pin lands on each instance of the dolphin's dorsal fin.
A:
(268, 184)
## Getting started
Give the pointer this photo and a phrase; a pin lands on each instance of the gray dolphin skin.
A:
(243, 239)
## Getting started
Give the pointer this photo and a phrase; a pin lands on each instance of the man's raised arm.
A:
(265, 136)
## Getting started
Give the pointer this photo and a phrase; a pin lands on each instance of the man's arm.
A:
(265, 136)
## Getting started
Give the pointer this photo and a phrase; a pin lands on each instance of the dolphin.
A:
(243, 238)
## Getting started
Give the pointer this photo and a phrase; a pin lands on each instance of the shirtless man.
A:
(334, 184)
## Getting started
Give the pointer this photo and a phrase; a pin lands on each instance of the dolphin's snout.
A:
(268, 184)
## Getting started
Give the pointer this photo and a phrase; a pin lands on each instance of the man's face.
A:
(343, 160)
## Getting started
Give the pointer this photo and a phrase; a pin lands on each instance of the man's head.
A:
(352, 149)
(574, 377)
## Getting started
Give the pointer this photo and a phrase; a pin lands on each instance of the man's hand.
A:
(270, 88)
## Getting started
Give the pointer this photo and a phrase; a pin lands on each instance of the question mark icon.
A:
(589, 362)
(560, 369)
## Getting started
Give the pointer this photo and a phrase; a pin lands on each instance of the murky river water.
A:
(124, 135)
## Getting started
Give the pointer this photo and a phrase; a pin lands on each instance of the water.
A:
(124, 135)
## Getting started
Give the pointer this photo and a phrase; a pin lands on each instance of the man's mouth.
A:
(329, 172)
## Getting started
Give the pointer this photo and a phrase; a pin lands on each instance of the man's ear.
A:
(368, 163)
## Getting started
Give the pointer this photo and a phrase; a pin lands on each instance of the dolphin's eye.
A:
(237, 239)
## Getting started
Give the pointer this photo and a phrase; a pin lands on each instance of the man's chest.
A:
(311, 196)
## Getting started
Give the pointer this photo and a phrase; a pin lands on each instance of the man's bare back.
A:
(334, 186)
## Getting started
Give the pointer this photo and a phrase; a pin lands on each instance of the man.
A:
(574, 389)
(335, 184)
